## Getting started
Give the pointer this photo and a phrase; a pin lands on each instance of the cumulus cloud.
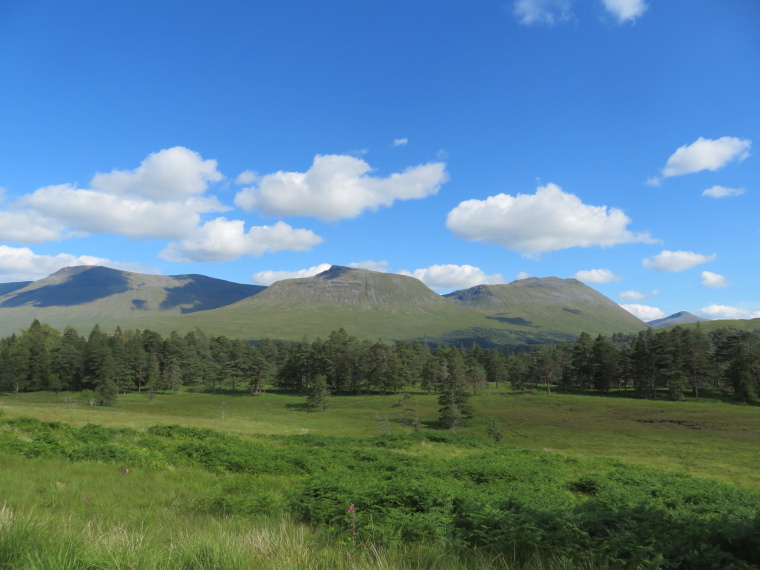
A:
(246, 177)
(670, 261)
(706, 154)
(522, 275)
(269, 277)
(636, 295)
(381, 266)
(28, 226)
(338, 187)
(170, 174)
(723, 192)
(645, 312)
(714, 280)
(400, 142)
(225, 240)
(162, 198)
(547, 12)
(453, 276)
(548, 220)
(22, 264)
(597, 276)
(625, 10)
(726, 312)
(96, 212)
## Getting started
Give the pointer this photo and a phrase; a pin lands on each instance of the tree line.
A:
(674, 361)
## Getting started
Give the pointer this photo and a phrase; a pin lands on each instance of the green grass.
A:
(713, 439)
(269, 486)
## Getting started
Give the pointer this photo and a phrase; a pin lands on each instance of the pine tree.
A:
(105, 385)
(319, 393)
(454, 400)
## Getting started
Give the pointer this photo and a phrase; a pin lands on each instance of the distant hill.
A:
(734, 324)
(680, 318)
(560, 305)
(367, 304)
(373, 305)
(83, 296)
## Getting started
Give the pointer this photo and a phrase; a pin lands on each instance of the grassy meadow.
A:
(245, 481)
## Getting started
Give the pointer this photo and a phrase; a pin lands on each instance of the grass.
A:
(61, 514)
(706, 438)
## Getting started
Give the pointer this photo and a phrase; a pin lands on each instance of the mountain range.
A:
(367, 304)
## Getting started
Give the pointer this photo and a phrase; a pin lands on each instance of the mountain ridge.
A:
(368, 304)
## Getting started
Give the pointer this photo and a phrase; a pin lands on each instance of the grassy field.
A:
(262, 482)
(707, 438)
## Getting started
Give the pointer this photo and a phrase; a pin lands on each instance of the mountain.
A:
(6, 288)
(85, 295)
(367, 304)
(680, 318)
(560, 305)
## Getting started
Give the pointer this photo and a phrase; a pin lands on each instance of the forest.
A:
(668, 363)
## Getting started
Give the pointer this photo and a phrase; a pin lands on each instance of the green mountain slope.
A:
(375, 305)
(552, 304)
(680, 318)
(368, 304)
(711, 325)
(83, 296)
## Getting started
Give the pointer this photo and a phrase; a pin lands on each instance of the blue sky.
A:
(613, 141)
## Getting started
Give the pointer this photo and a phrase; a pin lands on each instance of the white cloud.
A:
(726, 312)
(400, 142)
(269, 277)
(714, 280)
(28, 226)
(337, 187)
(162, 198)
(723, 192)
(625, 10)
(522, 275)
(453, 276)
(225, 240)
(706, 154)
(669, 261)
(246, 177)
(22, 264)
(170, 174)
(547, 12)
(645, 312)
(636, 295)
(597, 276)
(381, 266)
(131, 216)
(548, 220)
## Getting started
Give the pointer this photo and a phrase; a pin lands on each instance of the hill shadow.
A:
(204, 294)
(6, 288)
(85, 287)
(573, 311)
(513, 321)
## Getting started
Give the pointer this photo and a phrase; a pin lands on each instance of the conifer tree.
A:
(319, 393)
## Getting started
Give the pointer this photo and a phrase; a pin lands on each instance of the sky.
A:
(611, 141)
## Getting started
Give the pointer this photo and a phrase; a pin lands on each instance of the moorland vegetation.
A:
(207, 452)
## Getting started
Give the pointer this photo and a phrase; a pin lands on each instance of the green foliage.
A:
(495, 499)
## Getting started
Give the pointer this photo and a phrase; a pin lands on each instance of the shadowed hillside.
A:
(549, 303)
(83, 296)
